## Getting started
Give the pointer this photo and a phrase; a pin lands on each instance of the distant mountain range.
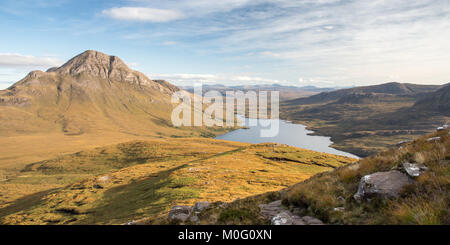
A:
(365, 120)
(286, 92)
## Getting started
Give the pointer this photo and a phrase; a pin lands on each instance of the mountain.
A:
(366, 120)
(92, 100)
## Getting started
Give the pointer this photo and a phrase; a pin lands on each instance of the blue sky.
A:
(304, 42)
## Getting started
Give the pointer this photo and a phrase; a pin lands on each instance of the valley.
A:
(367, 120)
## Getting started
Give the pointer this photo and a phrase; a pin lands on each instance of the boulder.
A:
(414, 169)
(200, 206)
(181, 213)
(382, 184)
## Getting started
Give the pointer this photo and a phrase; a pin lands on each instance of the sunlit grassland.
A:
(142, 180)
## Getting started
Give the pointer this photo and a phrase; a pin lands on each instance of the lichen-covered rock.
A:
(382, 184)
(414, 169)
(180, 213)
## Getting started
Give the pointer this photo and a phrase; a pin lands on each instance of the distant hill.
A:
(286, 92)
(438, 101)
(365, 120)
(392, 88)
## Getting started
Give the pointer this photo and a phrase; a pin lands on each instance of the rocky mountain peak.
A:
(96, 64)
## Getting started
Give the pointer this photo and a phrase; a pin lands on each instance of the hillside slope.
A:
(142, 180)
(424, 198)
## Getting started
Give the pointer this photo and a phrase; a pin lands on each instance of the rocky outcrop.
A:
(382, 184)
(278, 215)
(188, 213)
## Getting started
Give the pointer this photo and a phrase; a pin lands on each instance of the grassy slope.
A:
(427, 201)
(144, 179)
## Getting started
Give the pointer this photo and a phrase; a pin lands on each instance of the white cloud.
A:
(26, 61)
(169, 43)
(322, 41)
(143, 14)
(226, 79)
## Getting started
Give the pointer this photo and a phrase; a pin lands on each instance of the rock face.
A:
(180, 213)
(382, 184)
(414, 169)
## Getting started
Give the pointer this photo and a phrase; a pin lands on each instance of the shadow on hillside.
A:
(146, 197)
(24, 203)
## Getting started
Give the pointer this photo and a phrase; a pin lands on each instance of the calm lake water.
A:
(289, 134)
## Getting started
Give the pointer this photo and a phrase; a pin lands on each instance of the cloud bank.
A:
(25, 61)
(143, 14)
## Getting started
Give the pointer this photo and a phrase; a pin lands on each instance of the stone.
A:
(131, 223)
(200, 206)
(181, 213)
(414, 169)
(433, 139)
(382, 184)
(339, 209)
(194, 219)
(104, 179)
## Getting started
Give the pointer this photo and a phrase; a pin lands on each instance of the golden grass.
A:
(144, 179)
(425, 202)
